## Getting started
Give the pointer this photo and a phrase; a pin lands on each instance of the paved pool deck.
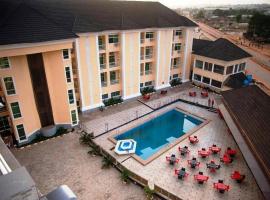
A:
(159, 173)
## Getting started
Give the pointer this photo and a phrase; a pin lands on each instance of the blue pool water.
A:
(158, 132)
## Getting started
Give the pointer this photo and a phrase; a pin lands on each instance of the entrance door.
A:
(40, 88)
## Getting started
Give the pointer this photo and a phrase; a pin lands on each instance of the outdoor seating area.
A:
(172, 159)
(183, 151)
(238, 177)
(181, 173)
(221, 187)
(201, 178)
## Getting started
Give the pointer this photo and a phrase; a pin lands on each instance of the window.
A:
(242, 67)
(113, 77)
(197, 77)
(175, 62)
(101, 42)
(149, 83)
(235, 68)
(216, 83)
(175, 76)
(21, 132)
(177, 47)
(199, 64)
(65, 54)
(74, 117)
(115, 94)
(149, 35)
(147, 68)
(148, 52)
(141, 85)
(229, 69)
(15, 110)
(208, 66)
(105, 96)
(68, 74)
(206, 80)
(112, 62)
(4, 63)
(71, 97)
(178, 32)
(10, 88)
(4, 125)
(103, 78)
(219, 69)
(102, 61)
(113, 39)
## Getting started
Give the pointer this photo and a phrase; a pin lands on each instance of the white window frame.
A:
(117, 95)
(71, 74)
(74, 100)
(12, 111)
(26, 138)
(68, 54)
(9, 63)
(76, 117)
(13, 80)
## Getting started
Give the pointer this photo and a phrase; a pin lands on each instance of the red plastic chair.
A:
(237, 176)
(221, 187)
(170, 161)
(201, 178)
(193, 163)
(226, 159)
(177, 171)
(183, 150)
(193, 139)
(231, 152)
(204, 153)
(214, 149)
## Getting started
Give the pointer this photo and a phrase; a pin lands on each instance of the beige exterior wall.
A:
(89, 71)
(24, 95)
(131, 64)
(188, 35)
(56, 79)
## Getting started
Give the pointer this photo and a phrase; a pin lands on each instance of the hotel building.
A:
(61, 57)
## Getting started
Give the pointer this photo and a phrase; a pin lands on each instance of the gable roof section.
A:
(250, 109)
(221, 49)
(26, 25)
(198, 44)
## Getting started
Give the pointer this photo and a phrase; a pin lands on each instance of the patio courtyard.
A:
(64, 161)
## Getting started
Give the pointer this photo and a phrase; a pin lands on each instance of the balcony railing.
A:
(142, 57)
(176, 66)
(141, 73)
(148, 56)
(103, 66)
(113, 64)
(104, 83)
(148, 72)
(114, 81)
(142, 40)
(101, 47)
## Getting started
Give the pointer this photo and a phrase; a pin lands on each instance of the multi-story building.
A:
(57, 56)
(215, 61)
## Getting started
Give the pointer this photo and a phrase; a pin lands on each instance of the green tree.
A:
(200, 14)
(238, 18)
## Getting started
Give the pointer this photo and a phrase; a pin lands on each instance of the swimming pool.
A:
(155, 134)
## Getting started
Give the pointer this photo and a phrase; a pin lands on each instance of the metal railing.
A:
(148, 72)
(104, 83)
(148, 56)
(103, 66)
(101, 47)
(115, 81)
(113, 64)
(142, 57)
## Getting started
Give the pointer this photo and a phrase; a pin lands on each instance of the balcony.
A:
(104, 83)
(113, 64)
(148, 56)
(115, 81)
(141, 73)
(3, 110)
(103, 66)
(142, 57)
(101, 46)
(175, 66)
(142, 41)
(147, 72)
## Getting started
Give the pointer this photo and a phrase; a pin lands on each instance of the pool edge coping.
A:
(170, 145)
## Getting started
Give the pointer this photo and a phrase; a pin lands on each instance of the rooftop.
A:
(235, 80)
(46, 20)
(250, 109)
(221, 49)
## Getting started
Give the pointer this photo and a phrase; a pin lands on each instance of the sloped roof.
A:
(198, 44)
(250, 109)
(22, 24)
(221, 49)
(29, 21)
(235, 80)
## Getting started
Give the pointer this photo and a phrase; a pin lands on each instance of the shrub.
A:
(147, 90)
(112, 101)
(86, 138)
(175, 82)
(94, 150)
(107, 162)
(125, 175)
(61, 130)
(148, 192)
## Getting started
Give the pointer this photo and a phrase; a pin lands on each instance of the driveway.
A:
(64, 161)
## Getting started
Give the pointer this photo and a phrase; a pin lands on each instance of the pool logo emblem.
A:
(125, 146)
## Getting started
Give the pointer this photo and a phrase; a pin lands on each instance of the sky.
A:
(194, 3)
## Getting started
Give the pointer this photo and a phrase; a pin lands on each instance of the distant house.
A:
(214, 62)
